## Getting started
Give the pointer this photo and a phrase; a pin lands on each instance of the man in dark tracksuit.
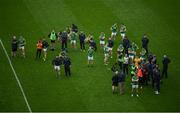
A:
(64, 37)
(67, 66)
(74, 28)
(165, 62)
(115, 82)
(82, 38)
(150, 73)
(115, 67)
(157, 78)
(145, 42)
(126, 44)
(14, 45)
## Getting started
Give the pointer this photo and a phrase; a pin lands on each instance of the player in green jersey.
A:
(123, 31)
(135, 80)
(21, 44)
(90, 56)
(73, 38)
(114, 31)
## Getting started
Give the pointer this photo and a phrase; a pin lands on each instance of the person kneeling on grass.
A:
(134, 83)
(45, 47)
(90, 56)
(115, 82)
(21, 44)
(57, 62)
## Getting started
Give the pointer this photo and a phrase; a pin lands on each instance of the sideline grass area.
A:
(89, 89)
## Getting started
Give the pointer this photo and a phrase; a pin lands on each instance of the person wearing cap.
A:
(82, 38)
(165, 62)
(14, 46)
(115, 82)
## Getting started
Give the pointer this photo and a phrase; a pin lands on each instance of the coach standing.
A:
(82, 38)
(67, 66)
(165, 62)
(145, 42)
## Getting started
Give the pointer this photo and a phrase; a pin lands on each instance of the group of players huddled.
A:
(141, 63)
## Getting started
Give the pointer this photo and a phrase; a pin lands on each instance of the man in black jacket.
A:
(67, 66)
(115, 82)
(126, 44)
(145, 42)
(82, 38)
(165, 62)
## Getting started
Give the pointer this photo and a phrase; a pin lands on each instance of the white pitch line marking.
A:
(17, 79)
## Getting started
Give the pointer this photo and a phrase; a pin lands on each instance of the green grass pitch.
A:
(89, 89)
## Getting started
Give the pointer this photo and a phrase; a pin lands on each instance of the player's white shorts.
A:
(135, 86)
(110, 48)
(21, 47)
(102, 42)
(131, 56)
(113, 33)
(57, 68)
(123, 35)
(44, 49)
(90, 58)
(73, 41)
(106, 55)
